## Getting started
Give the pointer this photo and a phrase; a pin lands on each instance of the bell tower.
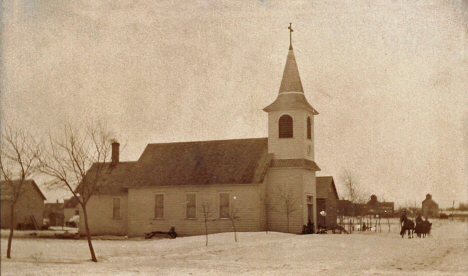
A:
(291, 176)
(290, 116)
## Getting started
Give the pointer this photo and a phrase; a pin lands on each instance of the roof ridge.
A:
(207, 141)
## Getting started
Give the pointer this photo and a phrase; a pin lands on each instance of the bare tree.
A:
(206, 209)
(354, 190)
(355, 193)
(76, 160)
(17, 162)
(288, 200)
(234, 210)
(267, 203)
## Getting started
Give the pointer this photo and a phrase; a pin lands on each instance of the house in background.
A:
(70, 209)
(373, 208)
(53, 213)
(430, 208)
(346, 208)
(377, 208)
(327, 202)
(29, 208)
(171, 183)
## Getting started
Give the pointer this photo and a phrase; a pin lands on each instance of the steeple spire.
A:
(291, 93)
(290, 36)
(291, 81)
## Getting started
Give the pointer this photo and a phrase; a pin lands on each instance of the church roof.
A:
(114, 179)
(290, 102)
(291, 93)
(325, 185)
(240, 161)
(295, 163)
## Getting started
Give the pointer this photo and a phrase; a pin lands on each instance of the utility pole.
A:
(453, 207)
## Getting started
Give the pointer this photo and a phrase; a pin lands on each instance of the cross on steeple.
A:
(290, 36)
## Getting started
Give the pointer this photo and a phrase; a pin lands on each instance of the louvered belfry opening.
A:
(286, 127)
(309, 128)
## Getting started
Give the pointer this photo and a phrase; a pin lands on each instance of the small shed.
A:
(54, 213)
(71, 208)
(327, 202)
(29, 208)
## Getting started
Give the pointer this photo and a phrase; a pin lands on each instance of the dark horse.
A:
(408, 225)
(425, 228)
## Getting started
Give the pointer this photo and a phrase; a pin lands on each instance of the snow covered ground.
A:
(443, 253)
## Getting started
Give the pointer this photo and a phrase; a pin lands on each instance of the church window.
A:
(116, 208)
(159, 206)
(224, 205)
(309, 128)
(191, 207)
(285, 127)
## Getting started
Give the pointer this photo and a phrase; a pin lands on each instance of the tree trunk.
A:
(12, 228)
(206, 233)
(287, 222)
(235, 232)
(88, 234)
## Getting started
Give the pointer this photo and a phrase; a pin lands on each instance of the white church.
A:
(259, 183)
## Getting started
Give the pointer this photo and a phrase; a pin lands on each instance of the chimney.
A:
(115, 153)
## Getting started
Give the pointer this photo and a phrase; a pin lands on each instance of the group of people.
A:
(422, 227)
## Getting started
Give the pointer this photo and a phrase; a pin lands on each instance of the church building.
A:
(260, 183)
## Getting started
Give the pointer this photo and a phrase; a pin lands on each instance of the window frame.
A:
(309, 128)
(187, 205)
(114, 208)
(285, 133)
(163, 206)
(228, 205)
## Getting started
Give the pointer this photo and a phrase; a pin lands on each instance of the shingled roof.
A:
(325, 185)
(295, 163)
(71, 203)
(240, 161)
(291, 93)
(114, 179)
(7, 193)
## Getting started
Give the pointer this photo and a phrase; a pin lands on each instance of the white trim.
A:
(281, 115)
(291, 92)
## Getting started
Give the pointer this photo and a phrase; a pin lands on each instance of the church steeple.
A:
(291, 93)
(291, 81)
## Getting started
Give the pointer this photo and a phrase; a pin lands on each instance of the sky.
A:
(389, 79)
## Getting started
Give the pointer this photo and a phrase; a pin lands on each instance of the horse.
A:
(408, 225)
(425, 228)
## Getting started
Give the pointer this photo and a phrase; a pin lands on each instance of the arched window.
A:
(309, 128)
(285, 127)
